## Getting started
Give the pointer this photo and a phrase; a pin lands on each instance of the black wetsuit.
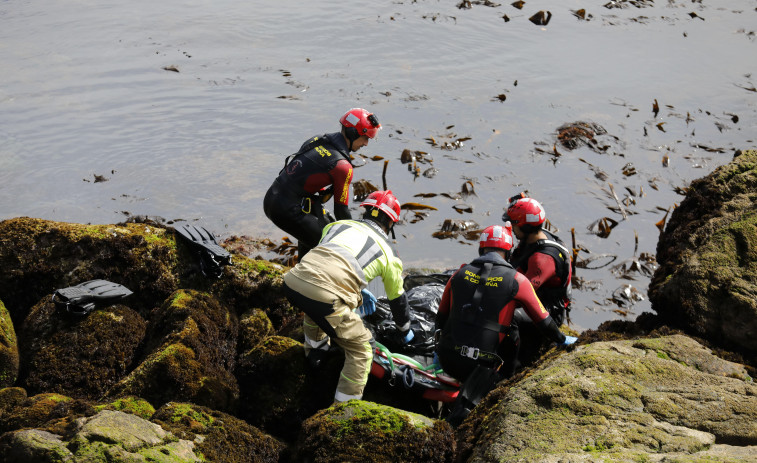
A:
(294, 200)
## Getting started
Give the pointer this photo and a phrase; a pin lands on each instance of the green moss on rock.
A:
(365, 431)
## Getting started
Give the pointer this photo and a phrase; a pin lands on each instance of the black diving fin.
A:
(212, 256)
(81, 299)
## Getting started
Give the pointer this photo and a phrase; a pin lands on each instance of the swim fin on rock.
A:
(82, 298)
(212, 256)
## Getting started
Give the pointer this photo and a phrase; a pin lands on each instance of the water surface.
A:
(90, 89)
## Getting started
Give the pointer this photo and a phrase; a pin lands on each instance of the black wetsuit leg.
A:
(286, 212)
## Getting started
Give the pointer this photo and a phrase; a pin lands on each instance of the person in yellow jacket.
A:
(329, 283)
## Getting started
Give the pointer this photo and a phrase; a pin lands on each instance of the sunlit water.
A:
(84, 92)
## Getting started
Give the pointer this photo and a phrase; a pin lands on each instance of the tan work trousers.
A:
(351, 335)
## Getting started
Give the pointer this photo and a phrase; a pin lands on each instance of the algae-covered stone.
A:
(78, 356)
(115, 436)
(38, 411)
(618, 401)
(707, 281)
(33, 445)
(273, 385)
(134, 405)
(191, 347)
(254, 327)
(364, 431)
(8, 349)
(219, 436)
(38, 256)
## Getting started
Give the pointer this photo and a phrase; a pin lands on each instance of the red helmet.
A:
(525, 211)
(385, 201)
(363, 123)
(497, 236)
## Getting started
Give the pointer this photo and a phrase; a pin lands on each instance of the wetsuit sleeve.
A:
(442, 314)
(541, 267)
(341, 176)
(536, 311)
(527, 297)
(401, 312)
(395, 291)
(342, 212)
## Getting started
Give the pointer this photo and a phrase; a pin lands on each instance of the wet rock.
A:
(8, 349)
(81, 357)
(273, 385)
(191, 347)
(254, 327)
(34, 445)
(707, 280)
(364, 431)
(117, 436)
(219, 436)
(39, 256)
(654, 399)
(48, 411)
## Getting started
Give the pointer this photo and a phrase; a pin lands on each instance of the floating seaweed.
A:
(576, 134)
(417, 207)
(644, 265)
(581, 14)
(362, 188)
(596, 261)
(541, 18)
(454, 228)
(430, 172)
(467, 189)
(461, 208)
(626, 296)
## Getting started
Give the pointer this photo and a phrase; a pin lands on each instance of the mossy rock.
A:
(634, 400)
(50, 412)
(220, 437)
(39, 256)
(133, 405)
(115, 436)
(368, 432)
(707, 279)
(8, 349)
(81, 357)
(254, 327)
(273, 386)
(34, 445)
(191, 346)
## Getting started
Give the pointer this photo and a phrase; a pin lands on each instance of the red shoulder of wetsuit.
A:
(340, 176)
(446, 303)
(542, 271)
(526, 296)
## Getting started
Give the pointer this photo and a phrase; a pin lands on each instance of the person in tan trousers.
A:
(329, 283)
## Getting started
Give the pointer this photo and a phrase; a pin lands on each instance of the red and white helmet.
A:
(362, 121)
(384, 201)
(525, 211)
(497, 236)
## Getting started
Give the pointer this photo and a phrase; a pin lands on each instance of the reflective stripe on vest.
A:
(369, 252)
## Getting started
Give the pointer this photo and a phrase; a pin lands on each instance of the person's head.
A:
(526, 216)
(359, 126)
(383, 208)
(496, 238)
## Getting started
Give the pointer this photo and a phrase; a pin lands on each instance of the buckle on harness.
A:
(470, 352)
(306, 205)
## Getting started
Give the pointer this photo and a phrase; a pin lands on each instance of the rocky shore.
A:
(190, 368)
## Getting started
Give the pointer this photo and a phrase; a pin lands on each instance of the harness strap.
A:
(479, 293)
